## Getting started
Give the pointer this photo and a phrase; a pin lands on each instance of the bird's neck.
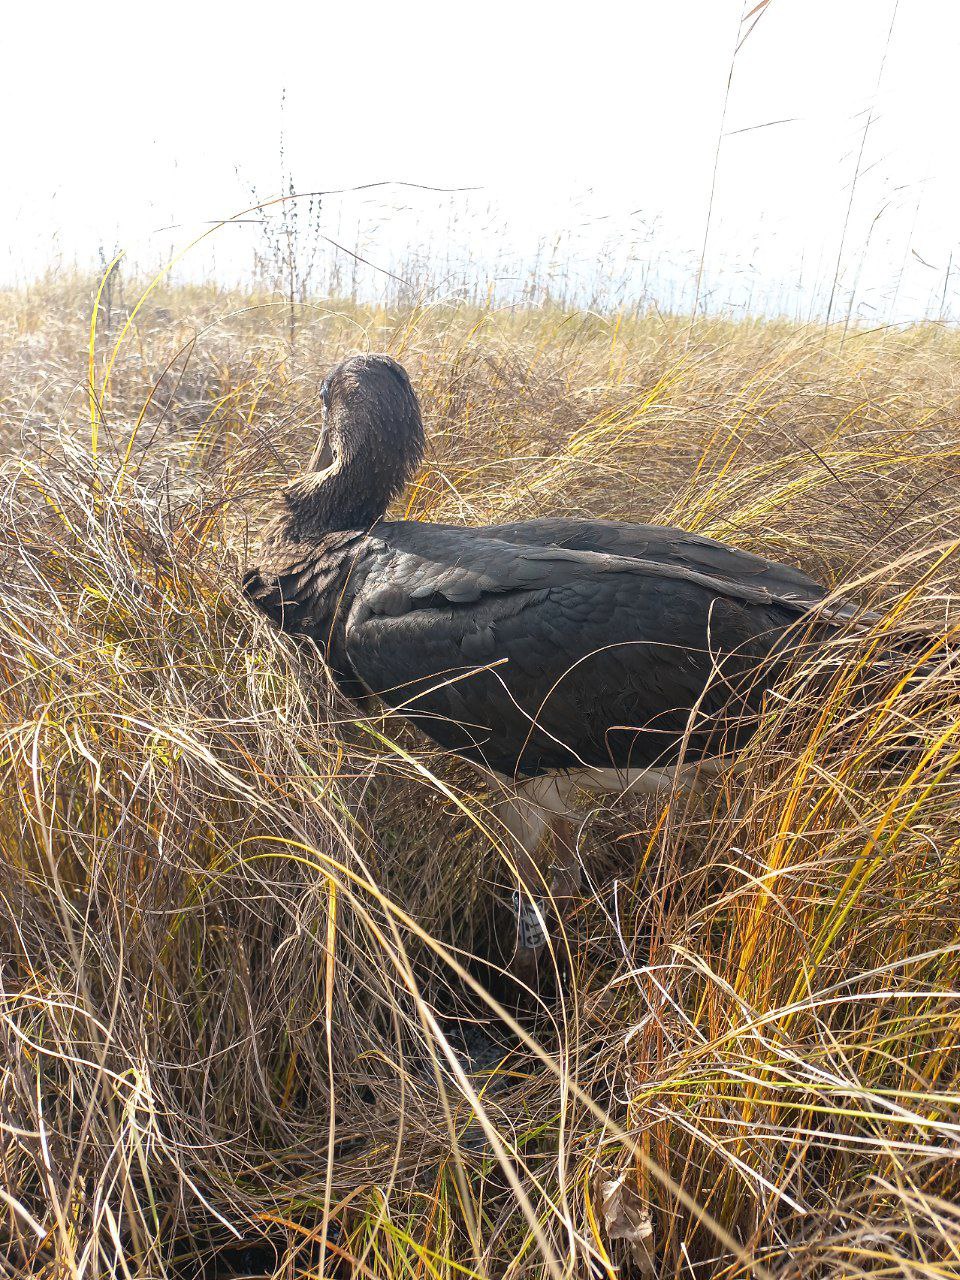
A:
(352, 494)
(363, 463)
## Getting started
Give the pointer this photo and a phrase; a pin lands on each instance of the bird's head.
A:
(371, 444)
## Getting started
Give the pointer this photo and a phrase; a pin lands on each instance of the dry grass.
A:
(237, 919)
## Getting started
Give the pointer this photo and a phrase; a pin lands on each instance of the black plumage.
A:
(528, 647)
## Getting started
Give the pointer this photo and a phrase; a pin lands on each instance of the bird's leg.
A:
(530, 901)
(547, 871)
(566, 880)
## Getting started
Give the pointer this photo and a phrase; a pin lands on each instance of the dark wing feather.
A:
(662, 544)
(535, 657)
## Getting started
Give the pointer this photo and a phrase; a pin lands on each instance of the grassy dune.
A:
(237, 917)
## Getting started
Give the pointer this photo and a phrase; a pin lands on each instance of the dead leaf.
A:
(627, 1218)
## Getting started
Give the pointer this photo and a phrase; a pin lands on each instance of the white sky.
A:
(593, 123)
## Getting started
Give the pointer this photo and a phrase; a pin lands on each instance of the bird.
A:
(554, 654)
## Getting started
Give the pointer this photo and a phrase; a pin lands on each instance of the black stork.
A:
(556, 654)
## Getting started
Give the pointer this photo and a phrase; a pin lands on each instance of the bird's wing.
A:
(533, 656)
(662, 544)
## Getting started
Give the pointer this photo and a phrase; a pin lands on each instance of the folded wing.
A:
(533, 656)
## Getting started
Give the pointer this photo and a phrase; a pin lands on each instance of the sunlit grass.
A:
(238, 918)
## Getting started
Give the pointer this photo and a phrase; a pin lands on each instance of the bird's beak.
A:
(323, 458)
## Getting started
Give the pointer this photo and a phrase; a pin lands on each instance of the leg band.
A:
(531, 920)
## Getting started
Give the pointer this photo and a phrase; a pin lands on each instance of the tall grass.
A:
(238, 917)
